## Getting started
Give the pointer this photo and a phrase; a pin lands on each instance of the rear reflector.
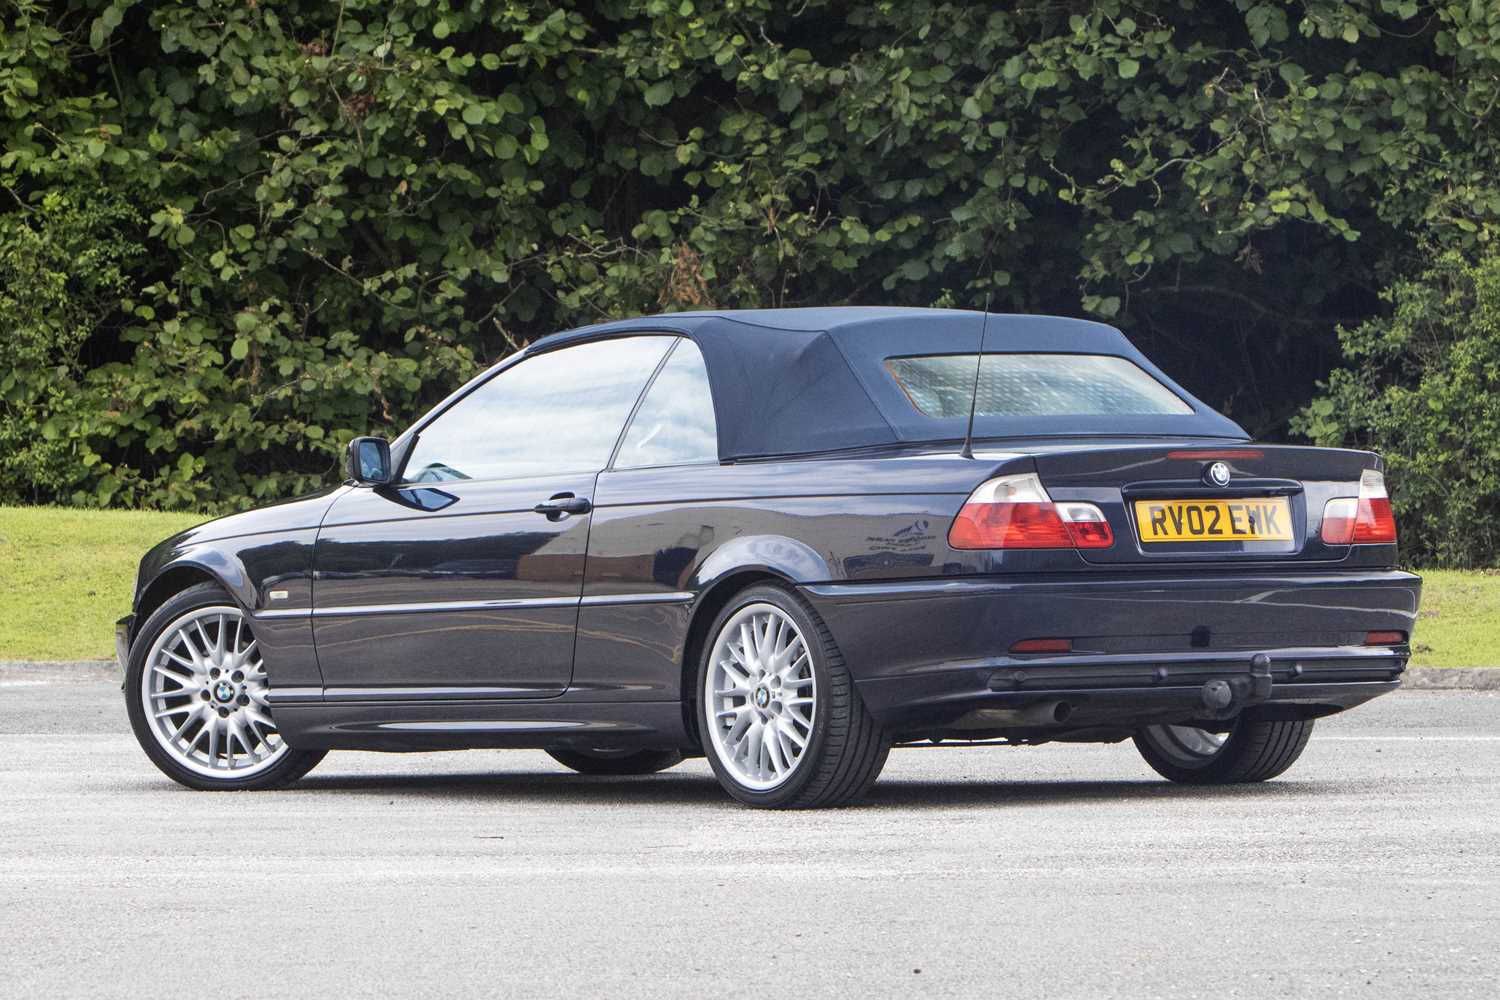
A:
(1362, 520)
(1384, 638)
(1015, 512)
(1042, 646)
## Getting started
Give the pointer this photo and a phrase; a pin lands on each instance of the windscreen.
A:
(1032, 385)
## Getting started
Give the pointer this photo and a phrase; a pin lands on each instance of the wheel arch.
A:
(774, 555)
(185, 572)
(705, 610)
(732, 567)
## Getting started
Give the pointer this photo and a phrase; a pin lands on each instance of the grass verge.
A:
(66, 575)
(1459, 624)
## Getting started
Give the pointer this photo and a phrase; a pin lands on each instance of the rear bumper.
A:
(931, 656)
(1085, 692)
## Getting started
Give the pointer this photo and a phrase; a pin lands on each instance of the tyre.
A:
(781, 722)
(195, 690)
(617, 761)
(1252, 750)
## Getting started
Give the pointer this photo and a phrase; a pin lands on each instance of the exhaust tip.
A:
(1061, 711)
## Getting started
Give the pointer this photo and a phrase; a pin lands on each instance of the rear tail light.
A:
(1200, 454)
(1391, 638)
(1015, 512)
(1042, 646)
(1362, 520)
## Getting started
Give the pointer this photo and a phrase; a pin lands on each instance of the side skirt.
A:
(472, 725)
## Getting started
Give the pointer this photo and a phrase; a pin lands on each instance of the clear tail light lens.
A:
(1015, 512)
(1362, 520)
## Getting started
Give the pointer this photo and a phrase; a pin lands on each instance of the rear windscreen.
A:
(1032, 385)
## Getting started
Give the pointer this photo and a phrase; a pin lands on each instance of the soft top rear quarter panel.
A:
(799, 381)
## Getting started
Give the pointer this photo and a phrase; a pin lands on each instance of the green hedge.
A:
(234, 233)
(1423, 387)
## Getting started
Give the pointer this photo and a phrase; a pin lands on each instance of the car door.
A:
(648, 535)
(463, 579)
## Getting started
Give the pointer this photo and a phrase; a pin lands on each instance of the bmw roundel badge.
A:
(1218, 474)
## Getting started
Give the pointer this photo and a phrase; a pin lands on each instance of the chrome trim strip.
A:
(511, 726)
(432, 607)
(438, 694)
(294, 695)
(676, 597)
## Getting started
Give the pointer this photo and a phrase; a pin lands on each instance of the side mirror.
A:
(368, 460)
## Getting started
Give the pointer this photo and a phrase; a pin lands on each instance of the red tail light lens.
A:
(1374, 522)
(1338, 520)
(1009, 526)
(1042, 646)
(1201, 454)
(1015, 512)
(1384, 638)
(1362, 520)
(1086, 525)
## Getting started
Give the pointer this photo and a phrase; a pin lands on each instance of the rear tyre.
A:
(1252, 750)
(195, 691)
(617, 761)
(782, 724)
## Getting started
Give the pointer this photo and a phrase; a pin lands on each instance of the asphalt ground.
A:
(1371, 869)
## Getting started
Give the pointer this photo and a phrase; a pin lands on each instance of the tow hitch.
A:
(1223, 697)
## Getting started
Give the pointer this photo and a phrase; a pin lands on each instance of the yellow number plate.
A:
(1267, 519)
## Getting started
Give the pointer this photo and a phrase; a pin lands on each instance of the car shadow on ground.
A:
(532, 787)
(947, 794)
(685, 789)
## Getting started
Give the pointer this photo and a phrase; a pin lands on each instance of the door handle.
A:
(560, 506)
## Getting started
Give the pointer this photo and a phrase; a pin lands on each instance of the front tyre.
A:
(195, 690)
(782, 724)
(1251, 750)
(616, 762)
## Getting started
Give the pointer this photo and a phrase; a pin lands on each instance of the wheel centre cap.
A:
(762, 697)
(224, 691)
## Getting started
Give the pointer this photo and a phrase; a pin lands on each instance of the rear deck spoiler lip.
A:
(991, 449)
(949, 447)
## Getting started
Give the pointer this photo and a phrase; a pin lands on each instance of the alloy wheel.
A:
(760, 696)
(1188, 744)
(205, 695)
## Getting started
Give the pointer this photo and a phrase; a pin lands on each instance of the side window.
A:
(675, 424)
(557, 412)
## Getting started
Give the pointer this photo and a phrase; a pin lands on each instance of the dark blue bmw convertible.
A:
(788, 540)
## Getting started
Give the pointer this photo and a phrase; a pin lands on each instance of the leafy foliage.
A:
(327, 213)
(61, 274)
(1424, 388)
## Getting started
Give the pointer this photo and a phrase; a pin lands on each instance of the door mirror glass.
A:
(369, 460)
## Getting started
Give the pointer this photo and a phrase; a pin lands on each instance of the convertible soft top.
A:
(799, 381)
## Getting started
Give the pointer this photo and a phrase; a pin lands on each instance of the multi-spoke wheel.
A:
(196, 690)
(1246, 750)
(761, 695)
(779, 717)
